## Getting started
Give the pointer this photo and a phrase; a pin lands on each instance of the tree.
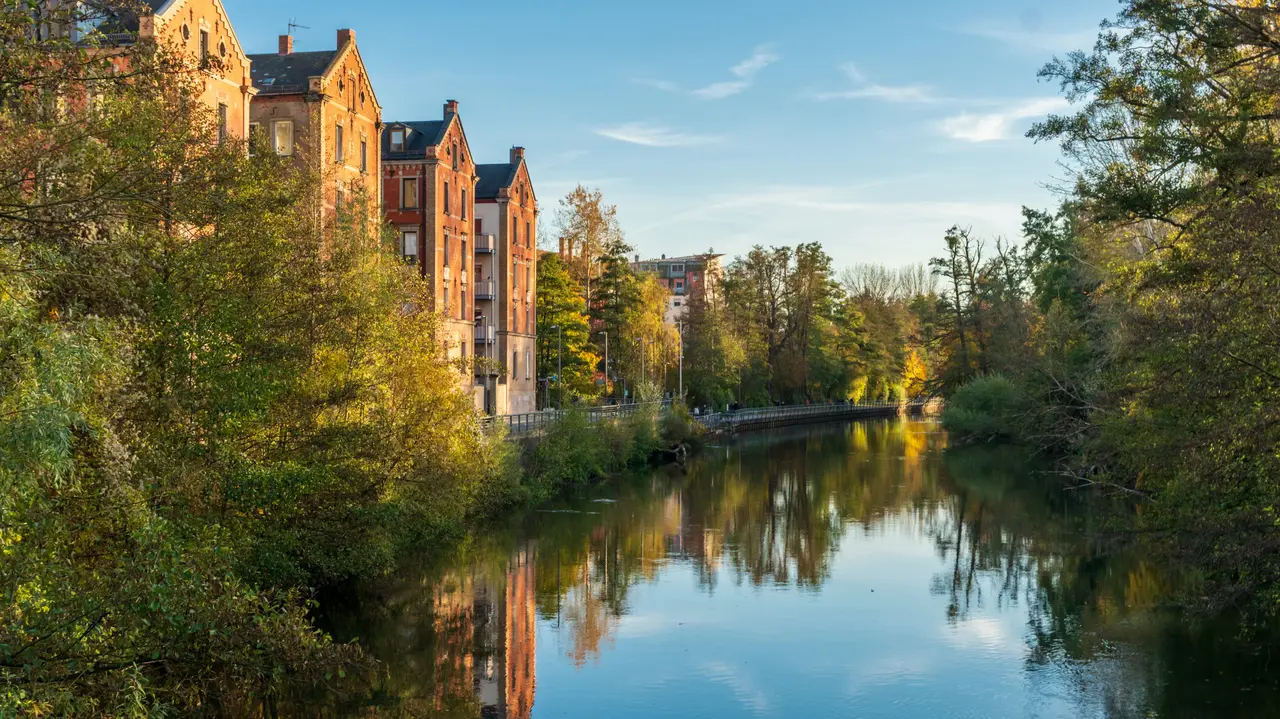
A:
(209, 402)
(560, 303)
(588, 229)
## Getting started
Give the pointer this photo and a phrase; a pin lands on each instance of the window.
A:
(397, 140)
(515, 364)
(455, 156)
(222, 122)
(446, 250)
(409, 245)
(677, 269)
(339, 153)
(679, 285)
(204, 48)
(409, 193)
(676, 303)
(462, 309)
(527, 235)
(464, 350)
(284, 137)
(464, 253)
(340, 197)
(255, 133)
(464, 204)
(364, 154)
(446, 198)
(479, 226)
(527, 363)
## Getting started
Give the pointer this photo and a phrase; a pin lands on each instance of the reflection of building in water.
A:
(506, 639)
(487, 627)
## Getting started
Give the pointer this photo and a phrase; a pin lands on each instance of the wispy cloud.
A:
(744, 74)
(639, 133)
(834, 200)
(1033, 39)
(864, 89)
(663, 85)
(993, 126)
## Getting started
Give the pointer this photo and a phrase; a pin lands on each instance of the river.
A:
(848, 570)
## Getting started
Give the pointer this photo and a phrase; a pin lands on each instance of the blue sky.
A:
(871, 127)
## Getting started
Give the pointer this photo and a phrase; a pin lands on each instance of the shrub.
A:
(987, 409)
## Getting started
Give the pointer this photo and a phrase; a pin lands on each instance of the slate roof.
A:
(275, 74)
(494, 178)
(421, 135)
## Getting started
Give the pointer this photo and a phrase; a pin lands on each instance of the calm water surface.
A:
(840, 571)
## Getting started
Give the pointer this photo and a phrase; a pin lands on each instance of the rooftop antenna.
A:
(295, 26)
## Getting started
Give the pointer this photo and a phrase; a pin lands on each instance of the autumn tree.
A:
(588, 229)
(568, 350)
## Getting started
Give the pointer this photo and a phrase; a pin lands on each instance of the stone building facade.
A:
(507, 222)
(429, 181)
(201, 31)
(320, 108)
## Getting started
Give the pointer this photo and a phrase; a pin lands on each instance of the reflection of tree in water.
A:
(773, 510)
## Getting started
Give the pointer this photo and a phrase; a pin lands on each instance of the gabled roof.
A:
(168, 7)
(419, 135)
(494, 178)
(278, 74)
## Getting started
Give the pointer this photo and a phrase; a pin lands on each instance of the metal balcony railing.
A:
(486, 289)
(485, 335)
(485, 244)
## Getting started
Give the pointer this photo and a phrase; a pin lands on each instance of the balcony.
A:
(486, 290)
(485, 335)
(485, 244)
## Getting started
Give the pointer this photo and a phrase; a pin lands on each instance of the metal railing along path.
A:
(534, 422)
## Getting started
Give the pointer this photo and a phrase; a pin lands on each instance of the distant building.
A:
(429, 179)
(683, 277)
(319, 107)
(506, 278)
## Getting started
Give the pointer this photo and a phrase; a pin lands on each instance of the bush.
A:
(987, 409)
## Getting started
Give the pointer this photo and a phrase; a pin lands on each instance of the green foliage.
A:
(209, 398)
(561, 304)
(987, 408)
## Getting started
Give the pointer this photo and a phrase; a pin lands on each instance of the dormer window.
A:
(397, 139)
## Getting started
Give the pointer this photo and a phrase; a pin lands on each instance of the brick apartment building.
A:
(506, 277)
(429, 179)
(199, 29)
(319, 107)
(683, 277)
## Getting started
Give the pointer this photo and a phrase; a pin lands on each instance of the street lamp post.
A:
(559, 369)
(606, 362)
(644, 347)
(680, 349)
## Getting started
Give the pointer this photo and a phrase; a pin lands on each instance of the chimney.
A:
(286, 44)
(637, 259)
(345, 36)
(517, 154)
(450, 107)
(664, 257)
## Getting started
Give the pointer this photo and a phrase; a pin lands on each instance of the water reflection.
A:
(748, 586)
